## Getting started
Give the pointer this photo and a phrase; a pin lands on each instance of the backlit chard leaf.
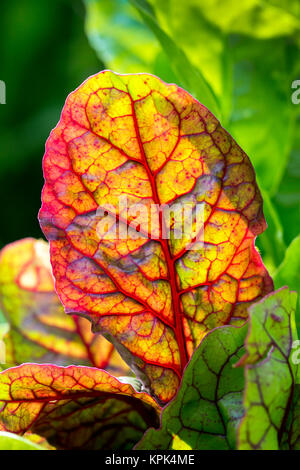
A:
(128, 155)
(270, 373)
(74, 407)
(39, 329)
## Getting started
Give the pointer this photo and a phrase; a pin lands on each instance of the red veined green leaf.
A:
(270, 373)
(74, 407)
(135, 136)
(39, 329)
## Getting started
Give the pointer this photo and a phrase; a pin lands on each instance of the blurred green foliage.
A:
(237, 58)
(44, 55)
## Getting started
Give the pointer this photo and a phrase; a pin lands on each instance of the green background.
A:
(237, 58)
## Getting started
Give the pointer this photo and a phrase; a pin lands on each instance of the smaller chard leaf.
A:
(74, 407)
(10, 441)
(40, 331)
(269, 371)
(208, 406)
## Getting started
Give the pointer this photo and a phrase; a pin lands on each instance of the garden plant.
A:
(162, 310)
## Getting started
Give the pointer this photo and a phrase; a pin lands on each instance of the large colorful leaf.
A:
(270, 372)
(207, 408)
(40, 331)
(135, 136)
(74, 407)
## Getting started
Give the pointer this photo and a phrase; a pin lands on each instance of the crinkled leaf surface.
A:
(269, 371)
(207, 408)
(40, 331)
(74, 407)
(135, 136)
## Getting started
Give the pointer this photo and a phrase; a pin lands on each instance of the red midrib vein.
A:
(178, 329)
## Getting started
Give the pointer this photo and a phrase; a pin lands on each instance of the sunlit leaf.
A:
(40, 331)
(135, 136)
(74, 407)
